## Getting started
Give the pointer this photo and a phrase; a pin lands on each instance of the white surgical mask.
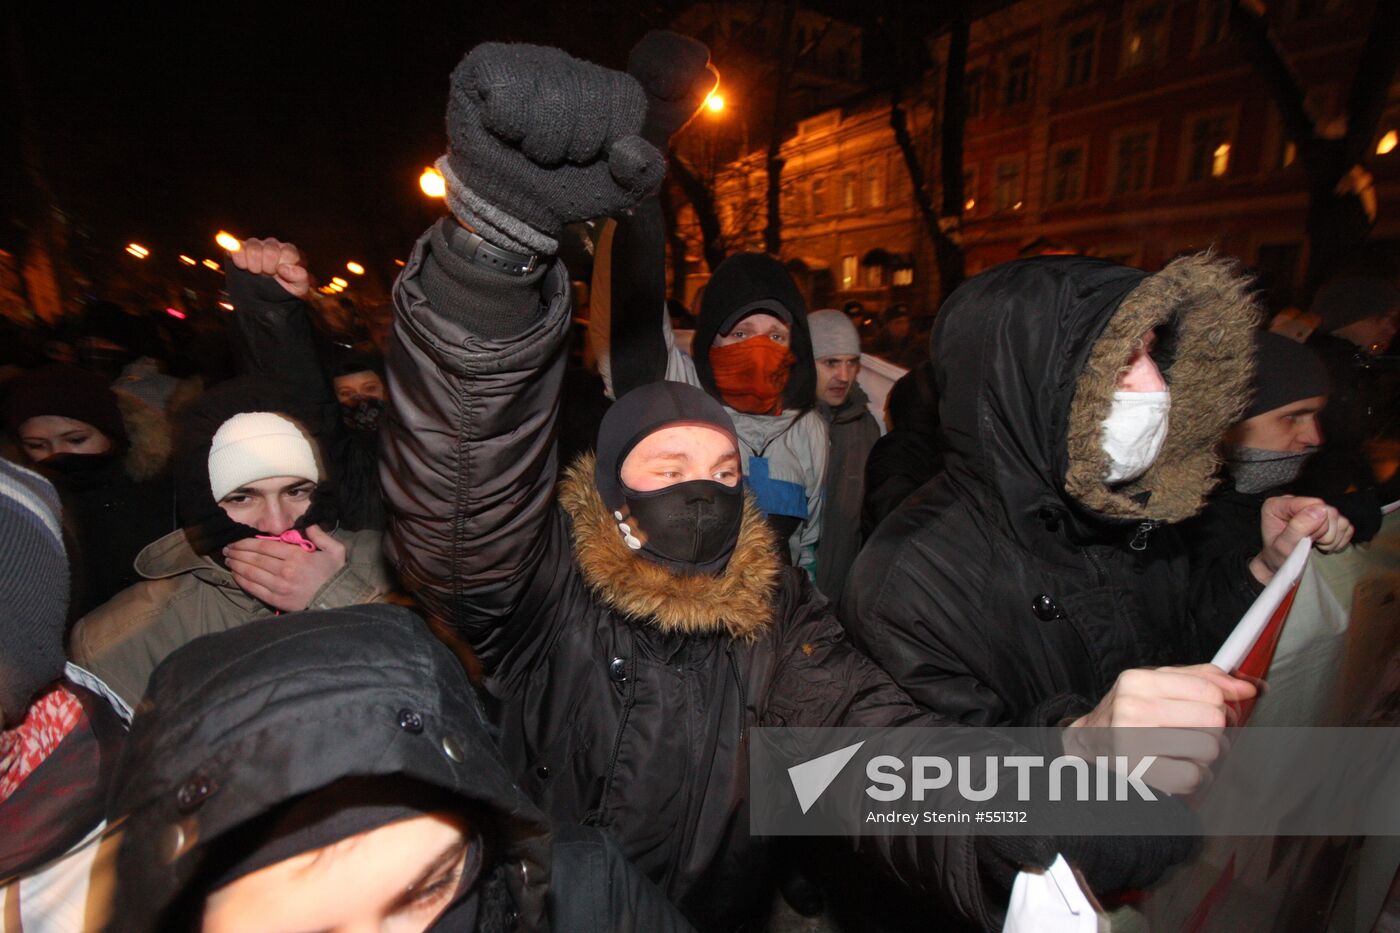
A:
(1133, 433)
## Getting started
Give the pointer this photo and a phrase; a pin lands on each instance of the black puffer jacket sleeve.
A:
(469, 462)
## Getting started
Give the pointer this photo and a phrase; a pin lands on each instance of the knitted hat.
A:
(68, 392)
(1347, 299)
(1285, 372)
(833, 334)
(33, 589)
(255, 445)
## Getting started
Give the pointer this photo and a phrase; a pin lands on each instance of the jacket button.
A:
(410, 721)
(1045, 608)
(617, 670)
(452, 748)
(193, 792)
(542, 772)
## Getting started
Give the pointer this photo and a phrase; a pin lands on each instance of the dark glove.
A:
(1114, 863)
(675, 72)
(537, 140)
(1001, 858)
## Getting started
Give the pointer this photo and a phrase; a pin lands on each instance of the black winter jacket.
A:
(626, 693)
(1014, 587)
(238, 723)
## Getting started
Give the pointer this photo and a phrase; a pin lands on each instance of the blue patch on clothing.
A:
(775, 496)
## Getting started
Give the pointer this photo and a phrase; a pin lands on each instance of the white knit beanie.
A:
(255, 445)
(833, 334)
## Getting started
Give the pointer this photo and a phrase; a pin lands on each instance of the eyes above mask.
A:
(1133, 433)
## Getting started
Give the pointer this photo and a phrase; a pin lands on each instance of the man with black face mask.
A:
(635, 621)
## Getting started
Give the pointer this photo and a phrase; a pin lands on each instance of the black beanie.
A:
(646, 409)
(1285, 372)
(1347, 299)
(68, 392)
(33, 591)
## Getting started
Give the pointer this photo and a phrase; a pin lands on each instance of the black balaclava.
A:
(691, 527)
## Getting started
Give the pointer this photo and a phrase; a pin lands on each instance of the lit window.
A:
(1388, 143)
(902, 277)
(1007, 194)
(848, 273)
(874, 186)
(850, 192)
(1144, 35)
(1208, 155)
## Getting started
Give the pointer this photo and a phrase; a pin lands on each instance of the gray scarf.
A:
(1255, 470)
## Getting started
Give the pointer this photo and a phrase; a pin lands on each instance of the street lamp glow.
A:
(355, 267)
(211, 264)
(715, 102)
(137, 250)
(432, 183)
(188, 260)
(341, 282)
(1388, 143)
(228, 241)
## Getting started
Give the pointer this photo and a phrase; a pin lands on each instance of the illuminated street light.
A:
(400, 263)
(211, 264)
(432, 183)
(715, 102)
(1388, 143)
(226, 305)
(176, 313)
(188, 260)
(137, 250)
(341, 282)
(228, 241)
(355, 267)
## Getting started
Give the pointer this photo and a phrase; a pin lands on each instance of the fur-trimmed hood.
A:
(1028, 357)
(738, 601)
(149, 438)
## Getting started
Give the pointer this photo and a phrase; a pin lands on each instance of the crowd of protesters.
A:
(357, 642)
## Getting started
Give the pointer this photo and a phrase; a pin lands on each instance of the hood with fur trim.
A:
(149, 438)
(1028, 357)
(738, 601)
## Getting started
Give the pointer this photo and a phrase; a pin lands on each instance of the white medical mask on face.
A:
(1133, 433)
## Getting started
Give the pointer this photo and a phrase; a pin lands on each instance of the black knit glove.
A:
(675, 72)
(537, 139)
(1001, 858)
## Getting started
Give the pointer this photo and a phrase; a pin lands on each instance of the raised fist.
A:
(537, 140)
(280, 261)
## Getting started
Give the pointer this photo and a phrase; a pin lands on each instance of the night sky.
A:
(305, 121)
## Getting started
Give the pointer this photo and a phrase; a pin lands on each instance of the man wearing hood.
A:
(1038, 579)
(635, 621)
(334, 771)
(844, 406)
(751, 351)
(261, 537)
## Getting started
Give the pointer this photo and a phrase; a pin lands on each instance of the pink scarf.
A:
(48, 722)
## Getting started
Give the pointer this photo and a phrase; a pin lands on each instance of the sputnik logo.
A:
(811, 778)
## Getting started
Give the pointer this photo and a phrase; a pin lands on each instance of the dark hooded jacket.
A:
(625, 692)
(244, 722)
(1014, 587)
(854, 432)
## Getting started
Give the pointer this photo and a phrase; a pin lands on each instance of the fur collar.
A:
(1211, 376)
(737, 601)
(148, 434)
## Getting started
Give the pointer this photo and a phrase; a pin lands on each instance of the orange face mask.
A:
(752, 374)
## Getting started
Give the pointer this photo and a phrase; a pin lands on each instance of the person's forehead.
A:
(678, 441)
(840, 358)
(363, 375)
(762, 319)
(45, 425)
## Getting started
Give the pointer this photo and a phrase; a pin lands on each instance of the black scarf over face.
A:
(207, 526)
(690, 527)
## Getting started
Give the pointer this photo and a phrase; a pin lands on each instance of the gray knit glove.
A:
(537, 140)
(675, 72)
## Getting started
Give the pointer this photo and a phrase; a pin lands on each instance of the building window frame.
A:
(1018, 85)
(1012, 202)
(1162, 29)
(1206, 37)
(1082, 146)
(1074, 73)
(850, 192)
(873, 182)
(850, 272)
(1230, 118)
(975, 91)
(819, 203)
(1115, 159)
(970, 190)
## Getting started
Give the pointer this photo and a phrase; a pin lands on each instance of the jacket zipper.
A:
(1144, 530)
(627, 705)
